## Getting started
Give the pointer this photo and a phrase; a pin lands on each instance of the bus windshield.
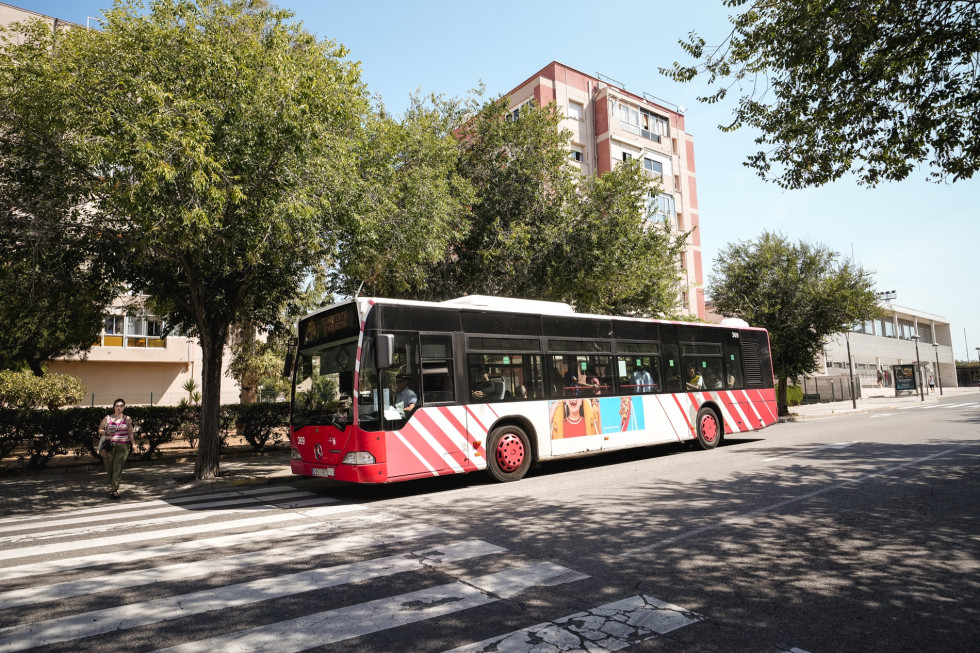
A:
(324, 385)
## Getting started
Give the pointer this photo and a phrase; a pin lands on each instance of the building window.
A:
(575, 110)
(663, 204)
(515, 113)
(653, 167)
(576, 154)
(627, 156)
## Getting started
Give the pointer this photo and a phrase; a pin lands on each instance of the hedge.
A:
(31, 437)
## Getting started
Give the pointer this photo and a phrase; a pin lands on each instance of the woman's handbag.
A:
(105, 444)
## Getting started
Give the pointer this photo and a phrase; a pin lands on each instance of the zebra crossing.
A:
(967, 404)
(181, 573)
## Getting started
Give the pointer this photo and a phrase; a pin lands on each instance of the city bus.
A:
(389, 390)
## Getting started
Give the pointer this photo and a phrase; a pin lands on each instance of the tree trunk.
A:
(209, 440)
(35, 365)
(781, 402)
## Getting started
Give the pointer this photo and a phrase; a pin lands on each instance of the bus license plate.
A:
(323, 471)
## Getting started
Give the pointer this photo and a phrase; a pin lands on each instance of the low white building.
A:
(133, 361)
(880, 344)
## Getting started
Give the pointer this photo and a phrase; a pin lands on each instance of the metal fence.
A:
(824, 389)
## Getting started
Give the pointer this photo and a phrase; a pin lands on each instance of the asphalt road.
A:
(855, 533)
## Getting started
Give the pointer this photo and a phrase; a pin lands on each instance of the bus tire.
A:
(508, 453)
(709, 428)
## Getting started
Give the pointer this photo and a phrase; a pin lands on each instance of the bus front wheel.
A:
(709, 428)
(508, 453)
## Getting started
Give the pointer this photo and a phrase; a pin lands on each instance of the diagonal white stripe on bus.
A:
(437, 447)
(116, 540)
(176, 518)
(97, 622)
(747, 424)
(208, 544)
(119, 516)
(198, 568)
(341, 624)
(610, 627)
(415, 452)
(751, 404)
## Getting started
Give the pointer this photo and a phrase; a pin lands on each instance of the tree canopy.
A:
(215, 137)
(873, 87)
(800, 292)
(58, 266)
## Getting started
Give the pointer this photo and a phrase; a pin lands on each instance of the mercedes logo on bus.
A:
(318, 451)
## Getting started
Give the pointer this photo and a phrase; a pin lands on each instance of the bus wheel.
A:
(508, 453)
(709, 428)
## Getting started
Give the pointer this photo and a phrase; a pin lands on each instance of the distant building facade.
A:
(877, 345)
(132, 360)
(610, 124)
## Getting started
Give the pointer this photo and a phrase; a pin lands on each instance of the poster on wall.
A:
(904, 377)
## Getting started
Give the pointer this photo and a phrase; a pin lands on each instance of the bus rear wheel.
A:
(508, 453)
(709, 428)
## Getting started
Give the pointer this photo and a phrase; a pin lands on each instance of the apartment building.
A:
(610, 124)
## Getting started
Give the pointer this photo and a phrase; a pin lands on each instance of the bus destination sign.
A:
(327, 325)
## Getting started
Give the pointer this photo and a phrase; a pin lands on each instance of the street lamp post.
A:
(978, 356)
(918, 364)
(850, 369)
(939, 377)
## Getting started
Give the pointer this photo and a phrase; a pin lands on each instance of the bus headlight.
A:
(359, 458)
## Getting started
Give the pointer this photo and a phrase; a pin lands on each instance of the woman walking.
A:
(116, 442)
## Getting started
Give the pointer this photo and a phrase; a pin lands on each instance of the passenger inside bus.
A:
(694, 381)
(405, 397)
(483, 388)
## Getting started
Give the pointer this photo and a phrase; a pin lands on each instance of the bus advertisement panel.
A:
(392, 390)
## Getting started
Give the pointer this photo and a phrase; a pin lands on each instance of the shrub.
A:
(260, 424)
(24, 390)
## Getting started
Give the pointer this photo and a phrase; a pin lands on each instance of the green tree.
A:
(801, 293)
(223, 134)
(878, 87)
(539, 229)
(58, 269)
(408, 199)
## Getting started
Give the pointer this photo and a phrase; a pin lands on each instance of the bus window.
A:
(672, 369)
(733, 368)
(437, 369)
(702, 365)
(401, 381)
(581, 375)
(638, 374)
(504, 377)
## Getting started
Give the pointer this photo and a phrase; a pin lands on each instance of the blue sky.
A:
(921, 239)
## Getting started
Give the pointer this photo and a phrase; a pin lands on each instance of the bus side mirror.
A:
(384, 349)
(287, 369)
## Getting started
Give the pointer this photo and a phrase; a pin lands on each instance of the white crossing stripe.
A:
(112, 541)
(139, 505)
(920, 407)
(144, 512)
(610, 627)
(97, 622)
(333, 626)
(218, 543)
(199, 568)
(956, 405)
(176, 518)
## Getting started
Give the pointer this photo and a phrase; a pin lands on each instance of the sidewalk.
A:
(84, 486)
(878, 399)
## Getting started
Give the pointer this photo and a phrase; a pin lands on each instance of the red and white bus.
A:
(391, 390)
